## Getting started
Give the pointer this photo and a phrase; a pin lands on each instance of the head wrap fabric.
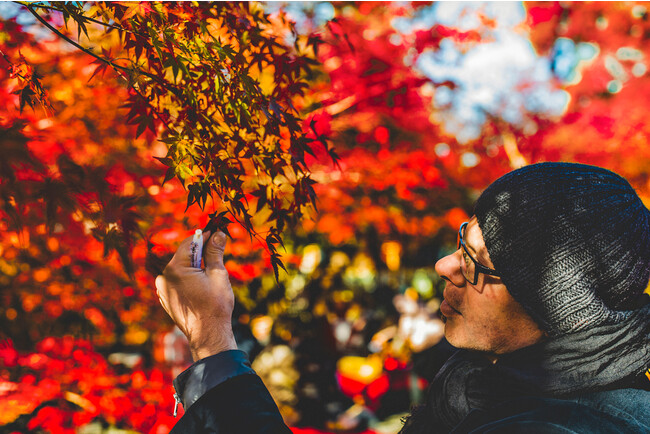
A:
(571, 243)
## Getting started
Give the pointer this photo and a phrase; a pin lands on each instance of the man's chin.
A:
(455, 339)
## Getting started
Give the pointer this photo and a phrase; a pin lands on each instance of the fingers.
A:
(182, 257)
(214, 251)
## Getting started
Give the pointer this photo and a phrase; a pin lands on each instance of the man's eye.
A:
(466, 259)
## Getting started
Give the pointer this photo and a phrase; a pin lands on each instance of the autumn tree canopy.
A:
(217, 84)
(359, 141)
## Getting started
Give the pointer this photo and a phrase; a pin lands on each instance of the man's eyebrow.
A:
(481, 254)
(469, 247)
(474, 253)
(466, 242)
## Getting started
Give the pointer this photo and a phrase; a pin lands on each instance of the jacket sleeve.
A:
(222, 394)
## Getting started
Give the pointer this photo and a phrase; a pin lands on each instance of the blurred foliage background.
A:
(344, 142)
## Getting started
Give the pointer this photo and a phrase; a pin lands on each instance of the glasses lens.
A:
(468, 267)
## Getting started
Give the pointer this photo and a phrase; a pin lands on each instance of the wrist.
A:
(217, 340)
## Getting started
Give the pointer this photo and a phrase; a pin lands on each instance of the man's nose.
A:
(449, 269)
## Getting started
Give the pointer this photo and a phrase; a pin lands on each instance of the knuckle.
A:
(219, 273)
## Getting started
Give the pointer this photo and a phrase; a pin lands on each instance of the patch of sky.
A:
(308, 16)
(463, 16)
(503, 77)
(614, 86)
(324, 11)
(615, 68)
(423, 20)
(567, 56)
(442, 149)
(469, 159)
(443, 96)
(628, 53)
(639, 69)
(565, 59)
(9, 10)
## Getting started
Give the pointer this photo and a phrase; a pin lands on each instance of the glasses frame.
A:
(478, 267)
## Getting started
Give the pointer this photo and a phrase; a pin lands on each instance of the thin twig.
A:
(84, 49)
(174, 91)
(79, 16)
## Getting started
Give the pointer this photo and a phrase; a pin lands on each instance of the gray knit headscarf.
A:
(571, 243)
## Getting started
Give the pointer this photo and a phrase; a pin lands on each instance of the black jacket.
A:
(240, 405)
(222, 394)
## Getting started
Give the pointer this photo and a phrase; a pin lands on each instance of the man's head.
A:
(480, 314)
(570, 242)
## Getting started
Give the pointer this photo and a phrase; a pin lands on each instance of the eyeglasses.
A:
(470, 267)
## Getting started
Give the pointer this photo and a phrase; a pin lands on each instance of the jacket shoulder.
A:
(597, 413)
(629, 404)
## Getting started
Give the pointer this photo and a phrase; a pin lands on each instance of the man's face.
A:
(484, 316)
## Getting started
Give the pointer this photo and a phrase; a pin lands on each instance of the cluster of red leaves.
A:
(65, 384)
(600, 127)
(30, 90)
(81, 203)
(69, 183)
(376, 111)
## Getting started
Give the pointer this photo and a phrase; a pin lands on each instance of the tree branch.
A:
(80, 47)
(78, 16)
(177, 93)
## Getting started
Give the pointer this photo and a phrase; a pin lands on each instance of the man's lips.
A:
(447, 310)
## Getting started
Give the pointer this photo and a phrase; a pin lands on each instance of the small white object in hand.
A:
(196, 249)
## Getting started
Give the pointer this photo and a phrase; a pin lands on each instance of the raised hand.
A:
(200, 300)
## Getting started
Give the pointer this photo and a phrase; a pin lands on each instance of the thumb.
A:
(214, 251)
